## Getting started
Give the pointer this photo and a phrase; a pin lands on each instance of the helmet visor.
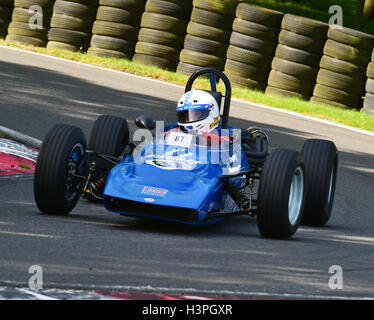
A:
(192, 115)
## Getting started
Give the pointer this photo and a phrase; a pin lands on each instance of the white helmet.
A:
(198, 110)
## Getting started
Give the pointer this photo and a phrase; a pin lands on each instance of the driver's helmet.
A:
(198, 110)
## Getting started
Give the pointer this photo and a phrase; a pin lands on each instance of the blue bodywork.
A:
(166, 176)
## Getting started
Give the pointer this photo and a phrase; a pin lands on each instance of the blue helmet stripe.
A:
(193, 107)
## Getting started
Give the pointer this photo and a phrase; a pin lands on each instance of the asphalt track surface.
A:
(92, 248)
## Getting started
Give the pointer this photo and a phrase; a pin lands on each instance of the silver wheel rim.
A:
(296, 196)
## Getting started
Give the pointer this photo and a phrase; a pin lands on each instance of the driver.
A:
(198, 110)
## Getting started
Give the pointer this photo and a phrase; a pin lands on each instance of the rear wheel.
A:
(109, 136)
(281, 194)
(56, 188)
(321, 161)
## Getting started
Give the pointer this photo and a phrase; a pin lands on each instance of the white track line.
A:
(327, 122)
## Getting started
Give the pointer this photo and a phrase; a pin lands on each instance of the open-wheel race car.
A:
(197, 171)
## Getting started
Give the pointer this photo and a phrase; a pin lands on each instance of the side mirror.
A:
(145, 122)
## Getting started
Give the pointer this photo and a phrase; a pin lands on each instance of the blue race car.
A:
(197, 171)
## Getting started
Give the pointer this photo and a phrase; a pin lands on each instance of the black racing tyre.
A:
(163, 22)
(305, 26)
(253, 44)
(168, 8)
(321, 163)
(370, 70)
(28, 3)
(76, 38)
(302, 71)
(23, 29)
(131, 5)
(224, 7)
(108, 53)
(56, 190)
(115, 29)
(23, 15)
(109, 136)
(74, 9)
(201, 59)
(326, 102)
(302, 42)
(259, 15)
(369, 103)
(248, 56)
(160, 37)
(158, 50)
(119, 15)
(208, 32)
(352, 38)
(370, 86)
(281, 194)
(246, 70)
(26, 40)
(341, 81)
(346, 53)
(205, 46)
(63, 21)
(341, 66)
(111, 43)
(62, 46)
(287, 82)
(210, 18)
(340, 96)
(154, 61)
(242, 82)
(272, 91)
(186, 68)
(297, 55)
(255, 30)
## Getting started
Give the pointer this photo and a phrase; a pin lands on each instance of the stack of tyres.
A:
(71, 24)
(163, 27)
(342, 75)
(6, 8)
(297, 57)
(252, 46)
(116, 28)
(30, 22)
(208, 35)
(369, 97)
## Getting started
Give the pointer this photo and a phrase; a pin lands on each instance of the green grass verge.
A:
(352, 118)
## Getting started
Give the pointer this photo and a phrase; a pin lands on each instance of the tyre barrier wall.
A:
(369, 97)
(20, 29)
(115, 31)
(71, 24)
(295, 65)
(342, 75)
(163, 28)
(6, 9)
(208, 35)
(252, 46)
(294, 56)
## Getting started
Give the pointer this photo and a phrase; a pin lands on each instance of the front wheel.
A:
(56, 187)
(321, 161)
(281, 194)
